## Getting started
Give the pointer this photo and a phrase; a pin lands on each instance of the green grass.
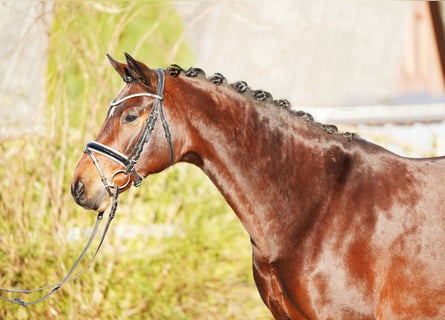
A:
(202, 270)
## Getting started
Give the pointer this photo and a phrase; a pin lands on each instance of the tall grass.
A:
(200, 269)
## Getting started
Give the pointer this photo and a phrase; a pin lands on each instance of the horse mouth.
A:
(103, 205)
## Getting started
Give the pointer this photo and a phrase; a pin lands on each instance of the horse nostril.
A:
(78, 190)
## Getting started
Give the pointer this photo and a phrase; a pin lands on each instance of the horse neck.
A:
(267, 164)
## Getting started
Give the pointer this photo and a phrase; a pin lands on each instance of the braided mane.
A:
(259, 95)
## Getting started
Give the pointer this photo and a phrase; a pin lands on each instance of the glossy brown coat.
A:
(340, 228)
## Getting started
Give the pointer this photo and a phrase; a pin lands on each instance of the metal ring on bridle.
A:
(126, 182)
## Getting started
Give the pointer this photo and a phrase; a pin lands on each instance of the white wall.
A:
(24, 29)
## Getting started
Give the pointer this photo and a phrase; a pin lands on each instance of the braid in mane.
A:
(259, 95)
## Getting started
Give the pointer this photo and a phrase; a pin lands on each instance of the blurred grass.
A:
(200, 271)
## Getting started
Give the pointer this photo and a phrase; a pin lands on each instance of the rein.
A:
(128, 162)
(69, 276)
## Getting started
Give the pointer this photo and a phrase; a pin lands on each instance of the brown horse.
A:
(340, 227)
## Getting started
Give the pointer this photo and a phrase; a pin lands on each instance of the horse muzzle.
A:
(97, 200)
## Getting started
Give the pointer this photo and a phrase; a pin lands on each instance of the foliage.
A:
(175, 250)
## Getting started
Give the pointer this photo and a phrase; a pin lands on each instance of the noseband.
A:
(128, 162)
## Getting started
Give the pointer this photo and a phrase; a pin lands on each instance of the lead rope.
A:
(69, 276)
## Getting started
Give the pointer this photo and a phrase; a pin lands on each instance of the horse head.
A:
(131, 143)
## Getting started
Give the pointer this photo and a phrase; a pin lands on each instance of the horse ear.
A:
(139, 70)
(122, 69)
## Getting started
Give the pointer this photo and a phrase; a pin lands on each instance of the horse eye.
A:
(130, 118)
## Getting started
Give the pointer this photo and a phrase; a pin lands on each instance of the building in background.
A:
(348, 63)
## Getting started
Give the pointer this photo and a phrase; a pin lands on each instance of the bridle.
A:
(129, 162)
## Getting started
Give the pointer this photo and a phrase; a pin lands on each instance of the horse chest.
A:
(295, 290)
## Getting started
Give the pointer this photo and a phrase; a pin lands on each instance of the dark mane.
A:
(259, 95)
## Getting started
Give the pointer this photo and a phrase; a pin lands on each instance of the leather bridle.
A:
(129, 162)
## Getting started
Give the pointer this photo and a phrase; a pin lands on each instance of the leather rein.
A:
(128, 163)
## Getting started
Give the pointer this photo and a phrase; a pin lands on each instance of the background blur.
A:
(175, 250)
